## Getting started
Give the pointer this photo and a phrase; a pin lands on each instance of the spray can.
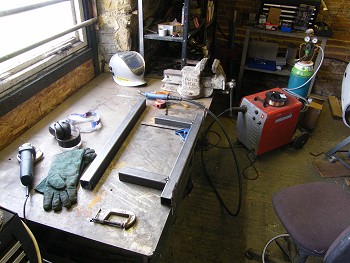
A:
(300, 74)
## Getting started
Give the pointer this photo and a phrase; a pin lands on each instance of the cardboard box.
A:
(312, 114)
(172, 27)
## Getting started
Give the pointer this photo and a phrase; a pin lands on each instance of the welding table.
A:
(146, 148)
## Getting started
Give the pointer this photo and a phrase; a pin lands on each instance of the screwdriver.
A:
(154, 96)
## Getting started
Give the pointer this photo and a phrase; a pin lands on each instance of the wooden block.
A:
(335, 107)
(347, 181)
(328, 169)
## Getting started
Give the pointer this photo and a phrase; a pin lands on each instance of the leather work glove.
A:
(60, 185)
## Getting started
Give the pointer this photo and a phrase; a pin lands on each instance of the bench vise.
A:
(193, 82)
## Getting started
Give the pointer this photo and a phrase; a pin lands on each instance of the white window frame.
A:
(14, 77)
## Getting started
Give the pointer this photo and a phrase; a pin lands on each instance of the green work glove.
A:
(60, 185)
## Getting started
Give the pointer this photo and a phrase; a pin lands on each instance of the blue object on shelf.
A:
(261, 64)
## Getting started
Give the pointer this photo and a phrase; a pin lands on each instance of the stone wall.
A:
(114, 27)
(118, 25)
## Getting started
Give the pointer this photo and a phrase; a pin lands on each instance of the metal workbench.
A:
(146, 148)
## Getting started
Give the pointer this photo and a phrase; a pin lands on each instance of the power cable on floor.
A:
(243, 109)
(238, 171)
(251, 165)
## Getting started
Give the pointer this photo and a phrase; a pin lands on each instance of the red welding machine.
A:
(270, 120)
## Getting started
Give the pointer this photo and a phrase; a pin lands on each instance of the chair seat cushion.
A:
(313, 214)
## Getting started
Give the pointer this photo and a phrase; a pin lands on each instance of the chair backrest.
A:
(339, 251)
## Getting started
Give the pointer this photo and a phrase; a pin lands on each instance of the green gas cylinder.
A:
(300, 74)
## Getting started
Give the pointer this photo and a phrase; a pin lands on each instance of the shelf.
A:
(166, 38)
(283, 72)
(200, 33)
(279, 33)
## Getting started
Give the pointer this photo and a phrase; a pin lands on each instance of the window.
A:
(37, 34)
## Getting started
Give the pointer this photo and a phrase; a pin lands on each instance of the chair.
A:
(317, 218)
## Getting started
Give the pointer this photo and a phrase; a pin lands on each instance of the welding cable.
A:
(242, 109)
(240, 187)
(215, 145)
(150, 95)
(249, 166)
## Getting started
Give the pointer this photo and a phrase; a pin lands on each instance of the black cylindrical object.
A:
(27, 156)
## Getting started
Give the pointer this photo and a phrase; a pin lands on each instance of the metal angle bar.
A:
(140, 20)
(96, 169)
(173, 121)
(338, 147)
(144, 178)
(174, 185)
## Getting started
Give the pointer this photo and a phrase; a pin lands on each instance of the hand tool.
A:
(154, 96)
(27, 156)
(193, 82)
(131, 218)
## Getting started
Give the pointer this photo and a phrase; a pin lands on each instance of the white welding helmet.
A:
(128, 68)
(345, 96)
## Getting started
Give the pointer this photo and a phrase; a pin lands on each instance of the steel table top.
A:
(147, 148)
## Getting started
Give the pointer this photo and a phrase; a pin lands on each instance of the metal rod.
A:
(95, 171)
(29, 8)
(140, 18)
(177, 180)
(185, 34)
(338, 147)
(72, 29)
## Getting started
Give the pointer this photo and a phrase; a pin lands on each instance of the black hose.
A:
(240, 187)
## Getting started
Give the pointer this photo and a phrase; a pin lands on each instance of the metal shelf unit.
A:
(285, 72)
(183, 39)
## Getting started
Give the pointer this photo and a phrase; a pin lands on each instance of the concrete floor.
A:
(204, 231)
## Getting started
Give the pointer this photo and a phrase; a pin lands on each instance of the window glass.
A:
(30, 26)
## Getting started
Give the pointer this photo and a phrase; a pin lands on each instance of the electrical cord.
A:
(240, 187)
(249, 166)
(250, 160)
(35, 243)
(24, 207)
(167, 97)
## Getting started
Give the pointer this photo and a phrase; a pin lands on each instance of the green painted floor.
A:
(205, 232)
